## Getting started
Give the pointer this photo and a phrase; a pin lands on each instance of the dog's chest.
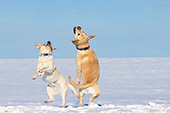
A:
(78, 63)
(45, 62)
(80, 60)
(48, 78)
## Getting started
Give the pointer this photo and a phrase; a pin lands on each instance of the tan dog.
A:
(87, 66)
(47, 69)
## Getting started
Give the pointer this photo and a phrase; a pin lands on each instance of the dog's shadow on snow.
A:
(83, 106)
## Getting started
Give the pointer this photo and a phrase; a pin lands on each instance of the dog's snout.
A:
(79, 28)
(48, 43)
(74, 30)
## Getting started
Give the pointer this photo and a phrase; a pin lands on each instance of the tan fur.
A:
(87, 66)
(46, 68)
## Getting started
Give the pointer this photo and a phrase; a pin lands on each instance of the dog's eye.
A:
(78, 34)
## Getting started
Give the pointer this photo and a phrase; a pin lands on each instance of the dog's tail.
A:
(73, 90)
(80, 85)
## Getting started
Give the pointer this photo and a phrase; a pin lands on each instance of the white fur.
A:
(87, 91)
(56, 82)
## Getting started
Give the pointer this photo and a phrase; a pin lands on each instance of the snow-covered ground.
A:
(128, 85)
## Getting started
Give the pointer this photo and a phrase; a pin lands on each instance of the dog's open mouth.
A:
(79, 28)
(47, 44)
(74, 29)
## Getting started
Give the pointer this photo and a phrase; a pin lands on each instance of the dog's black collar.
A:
(45, 54)
(83, 48)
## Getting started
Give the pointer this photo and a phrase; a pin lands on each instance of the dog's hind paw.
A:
(48, 101)
(63, 106)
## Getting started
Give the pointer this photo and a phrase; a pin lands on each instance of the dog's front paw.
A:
(35, 76)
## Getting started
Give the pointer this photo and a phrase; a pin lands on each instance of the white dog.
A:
(47, 69)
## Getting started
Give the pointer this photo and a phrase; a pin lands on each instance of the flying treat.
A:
(73, 11)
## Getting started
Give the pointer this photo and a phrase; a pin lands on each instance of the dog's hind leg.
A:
(51, 93)
(63, 99)
(92, 98)
(81, 97)
(80, 103)
(95, 91)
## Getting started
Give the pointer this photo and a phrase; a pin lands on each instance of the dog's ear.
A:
(75, 41)
(38, 45)
(53, 48)
(89, 37)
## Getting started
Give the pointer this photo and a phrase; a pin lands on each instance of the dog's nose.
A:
(48, 43)
(74, 30)
(78, 27)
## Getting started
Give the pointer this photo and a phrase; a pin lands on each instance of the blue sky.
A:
(123, 28)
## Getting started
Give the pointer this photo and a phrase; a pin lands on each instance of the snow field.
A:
(128, 85)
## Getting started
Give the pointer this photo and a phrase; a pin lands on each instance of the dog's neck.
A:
(83, 47)
(45, 54)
